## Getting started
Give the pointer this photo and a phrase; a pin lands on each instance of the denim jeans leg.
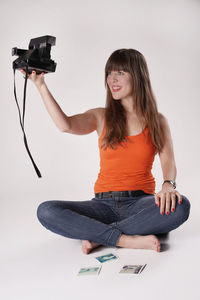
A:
(84, 220)
(145, 218)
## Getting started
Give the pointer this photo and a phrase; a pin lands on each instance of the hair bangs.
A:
(118, 61)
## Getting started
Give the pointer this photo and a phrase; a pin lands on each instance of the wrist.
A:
(167, 186)
(171, 183)
(40, 86)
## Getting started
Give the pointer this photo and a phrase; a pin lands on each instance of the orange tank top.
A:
(127, 168)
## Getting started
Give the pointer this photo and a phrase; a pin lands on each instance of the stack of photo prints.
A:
(95, 270)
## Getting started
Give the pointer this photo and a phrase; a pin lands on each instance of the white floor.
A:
(46, 268)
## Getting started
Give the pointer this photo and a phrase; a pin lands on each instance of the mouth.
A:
(116, 88)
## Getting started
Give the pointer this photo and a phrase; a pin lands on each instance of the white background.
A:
(87, 32)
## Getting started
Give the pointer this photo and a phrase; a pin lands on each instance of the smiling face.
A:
(120, 84)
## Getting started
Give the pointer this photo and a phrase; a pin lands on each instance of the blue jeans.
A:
(104, 220)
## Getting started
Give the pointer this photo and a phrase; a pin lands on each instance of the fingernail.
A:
(167, 212)
(173, 209)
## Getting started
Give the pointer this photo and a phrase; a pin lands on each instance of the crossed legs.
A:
(96, 223)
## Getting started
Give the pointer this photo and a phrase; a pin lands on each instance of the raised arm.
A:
(83, 123)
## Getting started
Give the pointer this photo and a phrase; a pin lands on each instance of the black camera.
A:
(38, 56)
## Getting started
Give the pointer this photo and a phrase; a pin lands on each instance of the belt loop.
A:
(129, 193)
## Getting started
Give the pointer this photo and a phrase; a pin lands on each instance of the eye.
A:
(118, 72)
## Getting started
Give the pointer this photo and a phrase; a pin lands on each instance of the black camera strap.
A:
(21, 119)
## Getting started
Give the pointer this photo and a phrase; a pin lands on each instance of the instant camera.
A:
(37, 57)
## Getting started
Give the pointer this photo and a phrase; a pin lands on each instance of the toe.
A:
(155, 240)
(158, 247)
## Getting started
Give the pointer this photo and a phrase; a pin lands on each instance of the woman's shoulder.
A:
(97, 112)
(164, 126)
(163, 120)
(100, 111)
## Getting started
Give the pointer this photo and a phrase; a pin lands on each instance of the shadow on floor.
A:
(163, 238)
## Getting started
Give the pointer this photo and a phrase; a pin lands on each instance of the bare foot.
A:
(139, 242)
(87, 246)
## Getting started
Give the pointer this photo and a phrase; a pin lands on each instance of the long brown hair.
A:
(132, 61)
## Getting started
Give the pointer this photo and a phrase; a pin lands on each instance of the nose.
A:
(114, 77)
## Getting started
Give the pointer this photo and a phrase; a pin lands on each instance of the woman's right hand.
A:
(38, 80)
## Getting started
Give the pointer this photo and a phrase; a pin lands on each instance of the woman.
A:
(125, 211)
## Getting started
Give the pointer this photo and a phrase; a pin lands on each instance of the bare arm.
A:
(166, 197)
(166, 155)
(83, 123)
(58, 116)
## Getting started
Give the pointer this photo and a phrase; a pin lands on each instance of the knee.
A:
(183, 209)
(45, 211)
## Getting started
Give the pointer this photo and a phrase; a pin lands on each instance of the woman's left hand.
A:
(166, 199)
